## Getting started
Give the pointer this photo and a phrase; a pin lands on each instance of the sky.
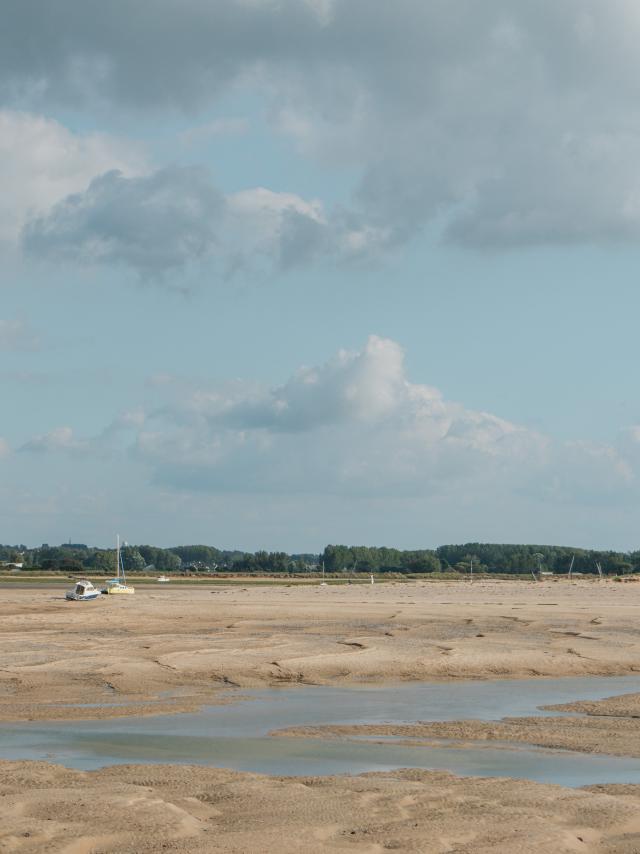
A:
(283, 273)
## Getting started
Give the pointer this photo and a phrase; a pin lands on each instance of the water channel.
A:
(237, 735)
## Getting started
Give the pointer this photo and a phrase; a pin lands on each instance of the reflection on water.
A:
(236, 736)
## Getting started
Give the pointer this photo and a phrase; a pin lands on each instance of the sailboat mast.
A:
(118, 556)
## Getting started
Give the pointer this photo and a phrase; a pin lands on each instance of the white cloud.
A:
(174, 216)
(152, 223)
(503, 124)
(113, 439)
(41, 162)
(356, 427)
(514, 124)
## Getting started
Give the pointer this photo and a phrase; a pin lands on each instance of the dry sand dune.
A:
(174, 649)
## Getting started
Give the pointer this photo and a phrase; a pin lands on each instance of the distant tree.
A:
(103, 561)
(423, 562)
(132, 559)
(206, 555)
(162, 559)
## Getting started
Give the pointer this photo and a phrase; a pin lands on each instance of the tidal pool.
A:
(236, 735)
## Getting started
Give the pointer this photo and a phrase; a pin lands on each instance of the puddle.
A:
(236, 735)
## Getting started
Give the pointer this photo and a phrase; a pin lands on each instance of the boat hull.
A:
(82, 592)
(119, 590)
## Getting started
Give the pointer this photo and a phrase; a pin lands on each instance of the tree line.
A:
(504, 558)
(485, 557)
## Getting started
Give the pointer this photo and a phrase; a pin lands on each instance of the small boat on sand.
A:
(83, 591)
(163, 579)
(118, 585)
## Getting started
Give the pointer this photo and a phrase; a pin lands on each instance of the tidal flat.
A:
(175, 651)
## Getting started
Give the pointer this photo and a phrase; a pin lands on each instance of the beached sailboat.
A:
(83, 591)
(118, 585)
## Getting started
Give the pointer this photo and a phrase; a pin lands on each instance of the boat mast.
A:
(118, 556)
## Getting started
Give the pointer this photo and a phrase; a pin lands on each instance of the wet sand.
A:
(175, 649)
(610, 726)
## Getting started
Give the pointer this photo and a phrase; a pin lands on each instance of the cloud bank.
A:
(356, 427)
(505, 124)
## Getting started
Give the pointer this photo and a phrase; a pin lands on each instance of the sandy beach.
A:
(174, 649)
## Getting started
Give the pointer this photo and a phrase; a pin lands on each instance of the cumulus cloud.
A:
(109, 441)
(172, 217)
(355, 426)
(41, 162)
(152, 223)
(512, 124)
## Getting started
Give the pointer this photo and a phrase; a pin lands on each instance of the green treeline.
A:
(522, 558)
(371, 559)
(486, 557)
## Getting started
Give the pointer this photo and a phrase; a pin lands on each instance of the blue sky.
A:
(278, 273)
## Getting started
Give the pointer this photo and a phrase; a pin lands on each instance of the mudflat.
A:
(610, 726)
(174, 649)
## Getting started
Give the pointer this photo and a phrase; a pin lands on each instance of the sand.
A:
(610, 726)
(173, 649)
(137, 809)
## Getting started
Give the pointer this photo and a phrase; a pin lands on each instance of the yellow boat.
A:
(118, 586)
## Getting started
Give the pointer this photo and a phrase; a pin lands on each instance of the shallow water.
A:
(236, 735)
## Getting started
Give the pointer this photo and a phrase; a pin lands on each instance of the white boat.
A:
(163, 579)
(118, 585)
(83, 591)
